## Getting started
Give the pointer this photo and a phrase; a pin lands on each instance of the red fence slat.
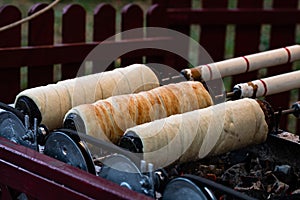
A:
(132, 17)
(40, 32)
(104, 22)
(212, 37)
(73, 30)
(104, 28)
(181, 63)
(12, 36)
(247, 40)
(156, 17)
(281, 36)
(9, 77)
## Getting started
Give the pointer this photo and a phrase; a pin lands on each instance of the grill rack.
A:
(31, 166)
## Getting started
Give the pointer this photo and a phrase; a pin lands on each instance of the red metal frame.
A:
(42, 177)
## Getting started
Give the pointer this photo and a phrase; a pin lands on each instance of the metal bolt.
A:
(26, 122)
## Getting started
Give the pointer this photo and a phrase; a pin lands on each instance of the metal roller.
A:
(66, 146)
(118, 165)
(195, 187)
(14, 130)
(121, 170)
(183, 188)
(16, 127)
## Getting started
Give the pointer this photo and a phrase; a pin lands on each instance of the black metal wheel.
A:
(63, 147)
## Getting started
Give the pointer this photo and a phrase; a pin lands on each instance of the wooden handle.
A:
(243, 64)
(270, 85)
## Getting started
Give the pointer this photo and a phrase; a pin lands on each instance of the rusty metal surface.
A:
(43, 177)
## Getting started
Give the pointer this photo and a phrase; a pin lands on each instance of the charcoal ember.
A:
(257, 194)
(264, 154)
(257, 171)
(249, 183)
(255, 168)
(274, 186)
(280, 187)
(198, 168)
(286, 174)
(289, 136)
(268, 180)
(210, 171)
(235, 157)
(296, 191)
(286, 197)
(243, 187)
(252, 187)
(173, 171)
(232, 176)
(285, 169)
(295, 194)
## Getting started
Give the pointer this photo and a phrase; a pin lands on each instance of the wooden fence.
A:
(213, 17)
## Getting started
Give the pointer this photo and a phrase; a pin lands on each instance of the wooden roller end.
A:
(269, 114)
(193, 74)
